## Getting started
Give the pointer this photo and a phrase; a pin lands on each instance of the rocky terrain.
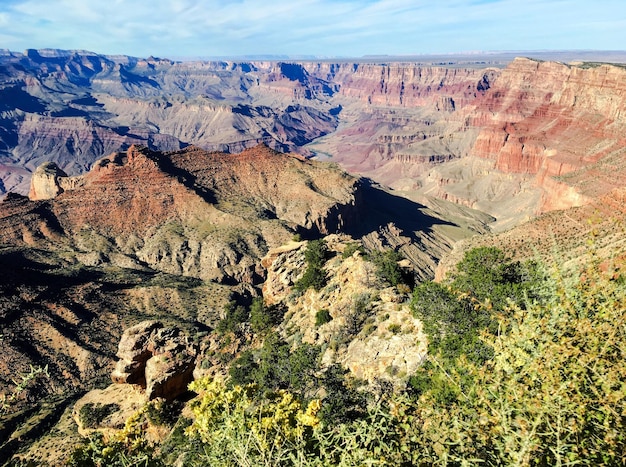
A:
(176, 236)
(511, 140)
(144, 197)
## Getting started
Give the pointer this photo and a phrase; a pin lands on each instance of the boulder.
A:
(159, 359)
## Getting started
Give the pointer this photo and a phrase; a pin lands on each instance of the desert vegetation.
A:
(525, 367)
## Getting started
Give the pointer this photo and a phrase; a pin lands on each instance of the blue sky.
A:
(323, 28)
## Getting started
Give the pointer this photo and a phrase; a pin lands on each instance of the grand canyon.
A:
(144, 198)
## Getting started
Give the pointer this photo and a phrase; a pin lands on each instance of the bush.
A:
(243, 426)
(350, 249)
(314, 276)
(387, 268)
(277, 366)
(322, 317)
(553, 393)
(486, 273)
(91, 415)
(453, 324)
(127, 447)
(233, 316)
(263, 317)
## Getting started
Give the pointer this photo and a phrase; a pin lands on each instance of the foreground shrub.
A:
(127, 447)
(554, 392)
(238, 426)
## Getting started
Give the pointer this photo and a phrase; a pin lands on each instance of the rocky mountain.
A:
(159, 202)
(474, 134)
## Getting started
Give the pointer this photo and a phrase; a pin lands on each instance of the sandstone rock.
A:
(45, 182)
(549, 119)
(157, 358)
(372, 331)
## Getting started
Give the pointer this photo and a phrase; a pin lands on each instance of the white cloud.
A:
(325, 27)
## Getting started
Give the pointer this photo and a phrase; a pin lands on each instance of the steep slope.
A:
(207, 215)
(568, 237)
(550, 134)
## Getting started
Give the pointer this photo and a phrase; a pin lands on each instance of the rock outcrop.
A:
(548, 120)
(192, 212)
(159, 359)
(49, 180)
(371, 331)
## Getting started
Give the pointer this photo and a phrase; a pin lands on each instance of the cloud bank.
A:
(178, 28)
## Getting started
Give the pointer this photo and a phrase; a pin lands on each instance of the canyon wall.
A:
(548, 120)
(512, 142)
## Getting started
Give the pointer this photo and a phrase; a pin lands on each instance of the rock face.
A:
(405, 84)
(548, 120)
(49, 180)
(45, 182)
(192, 212)
(159, 359)
(371, 331)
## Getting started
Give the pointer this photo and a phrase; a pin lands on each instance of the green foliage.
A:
(263, 317)
(322, 317)
(382, 435)
(554, 392)
(128, 447)
(343, 401)
(387, 268)
(314, 276)
(278, 367)
(162, 413)
(233, 316)
(487, 274)
(243, 369)
(356, 317)
(452, 323)
(91, 415)
(350, 249)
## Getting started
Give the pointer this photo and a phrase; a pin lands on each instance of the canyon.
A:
(511, 139)
(151, 195)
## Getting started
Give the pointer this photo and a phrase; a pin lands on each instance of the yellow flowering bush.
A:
(241, 426)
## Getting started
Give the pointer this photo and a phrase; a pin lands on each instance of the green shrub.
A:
(322, 317)
(233, 316)
(91, 415)
(314, 276)
(486, 273)
(350, 249)
(278, 366)
(387, 268)
(553, 393)
(263, 317)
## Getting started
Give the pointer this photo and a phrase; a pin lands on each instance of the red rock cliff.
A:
(550, 119)
(406, 85)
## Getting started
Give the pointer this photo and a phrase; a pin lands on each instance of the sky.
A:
(320, 28)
